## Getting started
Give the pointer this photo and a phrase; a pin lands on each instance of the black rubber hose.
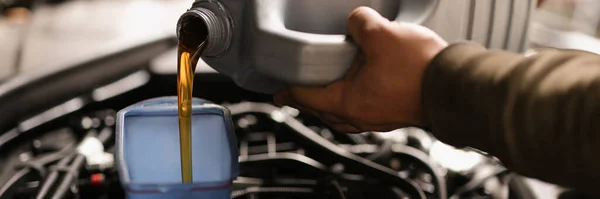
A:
(37, 162)
(70, 177)
(105, 135)
(52, 177)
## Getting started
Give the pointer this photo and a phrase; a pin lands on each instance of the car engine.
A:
(283, 153)
(57, 133)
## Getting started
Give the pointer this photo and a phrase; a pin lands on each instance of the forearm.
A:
(540, 115)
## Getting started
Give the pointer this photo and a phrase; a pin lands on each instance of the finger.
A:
(322, 99)
(363, 22)
(345, 128)
(327, 99)
(381, 128)
(283, 98)
(378, 127)
(342, 127)
(331, 119)
(357, 64)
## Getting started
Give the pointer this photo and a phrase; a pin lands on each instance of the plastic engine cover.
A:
(148, 156)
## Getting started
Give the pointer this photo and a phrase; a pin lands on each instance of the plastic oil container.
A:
(264, 44)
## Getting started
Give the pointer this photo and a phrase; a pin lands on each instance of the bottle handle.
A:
(315, 59)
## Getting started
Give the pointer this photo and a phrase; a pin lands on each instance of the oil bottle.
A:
(263, 44)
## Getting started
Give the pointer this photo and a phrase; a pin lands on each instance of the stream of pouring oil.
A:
(188, 58)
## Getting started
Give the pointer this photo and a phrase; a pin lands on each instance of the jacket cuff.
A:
(446, 58)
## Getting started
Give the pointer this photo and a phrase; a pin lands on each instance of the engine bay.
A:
(58, 130)
(283, 153)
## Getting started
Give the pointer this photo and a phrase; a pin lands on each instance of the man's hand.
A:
(382, 90)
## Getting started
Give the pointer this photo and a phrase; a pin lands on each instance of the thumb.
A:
(363, 22)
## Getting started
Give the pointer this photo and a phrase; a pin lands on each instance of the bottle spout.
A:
(206, 21)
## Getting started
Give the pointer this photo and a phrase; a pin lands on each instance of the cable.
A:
(14, 179)
(35, 165)
(419, 156)
(72, 173)
(477, 182)
(48, 183)
(40, 163)
(338, 188)
(8, 136)
(105, 134)
(422, 158)
(385, 149)
(357, 138)
(56, 155)
(52, 177)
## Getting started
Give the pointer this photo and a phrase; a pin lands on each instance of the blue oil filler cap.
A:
(148, 157)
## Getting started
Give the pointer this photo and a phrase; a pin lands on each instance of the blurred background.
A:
(39, 34)
(573, 24)
(42, 38)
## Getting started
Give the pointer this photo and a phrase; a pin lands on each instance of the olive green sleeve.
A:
(540, 115)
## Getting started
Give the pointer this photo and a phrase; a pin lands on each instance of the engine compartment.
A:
(283, 153)
(52, 98)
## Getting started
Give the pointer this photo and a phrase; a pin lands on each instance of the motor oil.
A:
(192, 43)
(265, 44)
